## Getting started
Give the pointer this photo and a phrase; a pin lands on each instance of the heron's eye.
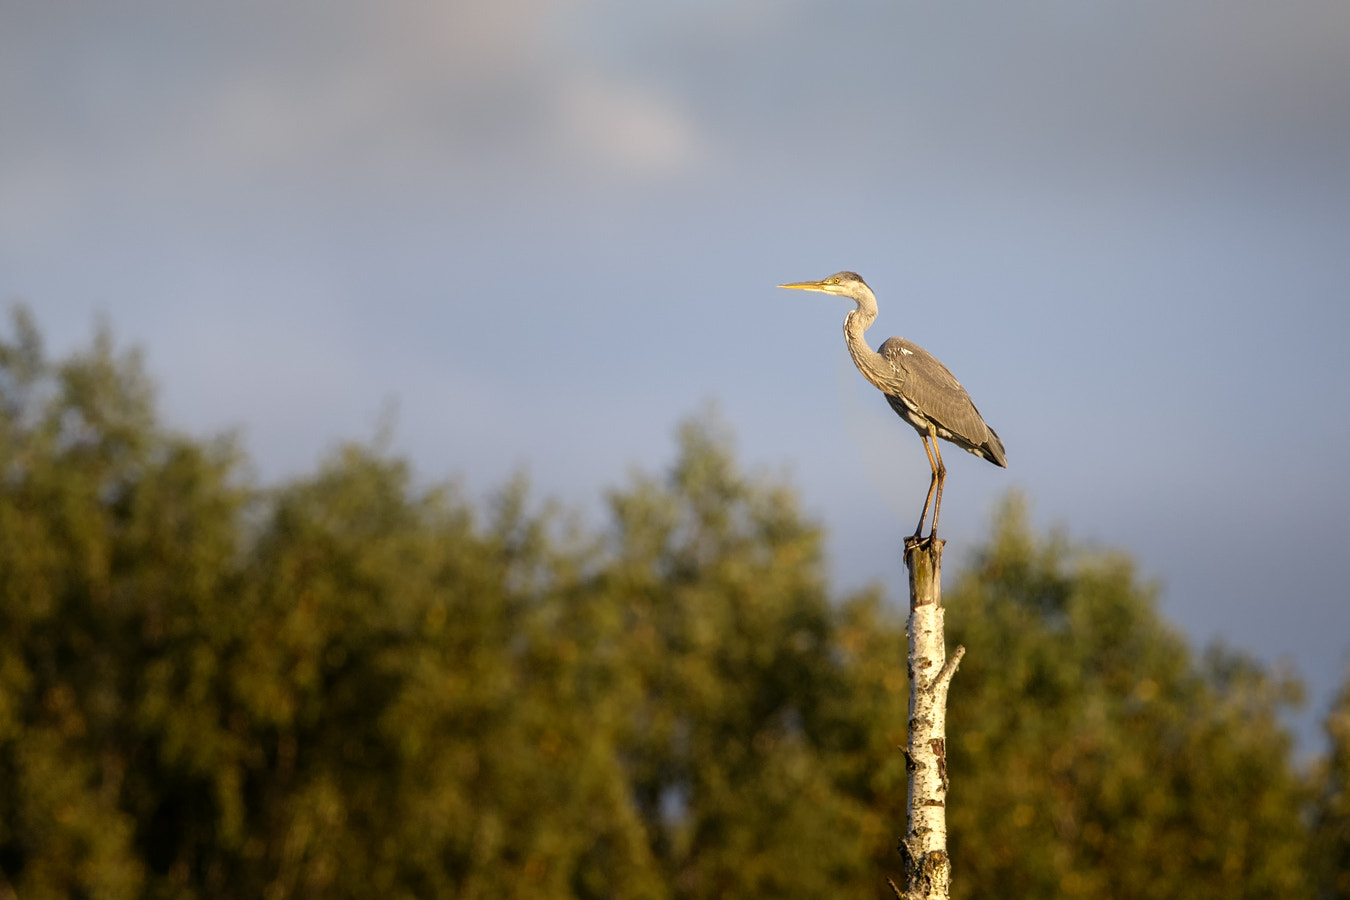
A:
(834, 280)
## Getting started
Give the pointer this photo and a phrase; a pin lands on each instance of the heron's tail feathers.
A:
(992, 450)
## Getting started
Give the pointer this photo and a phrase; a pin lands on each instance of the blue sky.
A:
(546, 232)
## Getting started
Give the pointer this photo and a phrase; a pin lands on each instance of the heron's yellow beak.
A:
(808, 286)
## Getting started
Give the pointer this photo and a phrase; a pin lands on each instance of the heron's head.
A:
(845, 284)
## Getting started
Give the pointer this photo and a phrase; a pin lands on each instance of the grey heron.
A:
(921, 390)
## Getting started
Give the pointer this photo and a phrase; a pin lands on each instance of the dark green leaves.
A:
(355, 684)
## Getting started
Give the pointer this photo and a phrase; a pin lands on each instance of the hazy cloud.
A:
(309, 92)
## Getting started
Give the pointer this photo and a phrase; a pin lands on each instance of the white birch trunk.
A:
(924, 847)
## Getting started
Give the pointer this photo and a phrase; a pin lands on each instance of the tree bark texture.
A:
(924, 847)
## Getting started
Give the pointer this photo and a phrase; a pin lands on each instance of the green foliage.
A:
(748, 749)
(1331, 813)
(355, 685)
(1097, 757)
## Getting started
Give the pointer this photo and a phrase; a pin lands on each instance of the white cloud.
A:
(268, 97)
(618, 125)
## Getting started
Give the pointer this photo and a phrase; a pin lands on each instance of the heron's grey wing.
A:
(934, 390)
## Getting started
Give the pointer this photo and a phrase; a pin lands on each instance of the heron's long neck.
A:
(868, 361)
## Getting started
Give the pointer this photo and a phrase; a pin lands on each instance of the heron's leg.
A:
(940, 474)
(932, 483)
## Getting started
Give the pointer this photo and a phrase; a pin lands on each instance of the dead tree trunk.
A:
(924, 847)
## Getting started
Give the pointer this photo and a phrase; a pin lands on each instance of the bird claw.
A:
(918, 542)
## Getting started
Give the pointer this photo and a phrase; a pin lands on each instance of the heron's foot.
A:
(918, 542)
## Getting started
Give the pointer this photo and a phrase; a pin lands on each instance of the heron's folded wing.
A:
(931, 387)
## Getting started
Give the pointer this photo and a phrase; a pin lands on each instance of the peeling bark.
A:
(924, 846)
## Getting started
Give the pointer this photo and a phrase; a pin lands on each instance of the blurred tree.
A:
(425, 710)
(754, 756)
(347, 687)
(353, 685)
(1331, 813)
(111, 533)
(1092, 756)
